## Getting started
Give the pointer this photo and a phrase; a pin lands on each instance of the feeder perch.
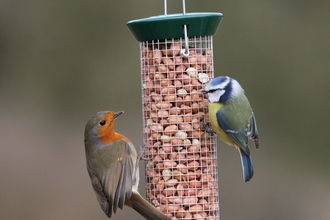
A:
(176, 63)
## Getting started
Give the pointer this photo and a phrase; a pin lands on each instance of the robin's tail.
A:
(139, 204)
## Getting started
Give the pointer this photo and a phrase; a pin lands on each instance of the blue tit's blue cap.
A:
(218, 80)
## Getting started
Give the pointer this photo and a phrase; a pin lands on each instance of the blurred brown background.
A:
(61, 61)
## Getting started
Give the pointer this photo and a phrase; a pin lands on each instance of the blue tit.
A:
(232, 118)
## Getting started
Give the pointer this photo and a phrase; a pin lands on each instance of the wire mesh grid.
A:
(181, 169)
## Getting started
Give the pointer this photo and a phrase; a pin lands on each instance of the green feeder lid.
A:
(171, 26)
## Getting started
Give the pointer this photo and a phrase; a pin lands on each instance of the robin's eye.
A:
(102, 123)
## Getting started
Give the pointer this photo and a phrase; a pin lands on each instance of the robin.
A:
(112, 165)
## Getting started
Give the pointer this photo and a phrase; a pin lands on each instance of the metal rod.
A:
(165, 7)
(184, 7)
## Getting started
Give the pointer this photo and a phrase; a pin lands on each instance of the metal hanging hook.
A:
(183, 7)
(185, 51)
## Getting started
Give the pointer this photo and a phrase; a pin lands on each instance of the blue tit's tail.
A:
(246, 166)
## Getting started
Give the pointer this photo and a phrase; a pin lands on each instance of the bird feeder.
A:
(176, 56)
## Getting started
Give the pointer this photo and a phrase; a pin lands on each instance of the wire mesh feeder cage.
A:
(176, 63)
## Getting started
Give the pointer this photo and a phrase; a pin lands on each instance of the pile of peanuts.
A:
(181, 169)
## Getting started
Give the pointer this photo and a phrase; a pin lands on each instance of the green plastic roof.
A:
(171, 26)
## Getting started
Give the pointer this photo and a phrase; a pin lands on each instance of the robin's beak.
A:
(117, 114)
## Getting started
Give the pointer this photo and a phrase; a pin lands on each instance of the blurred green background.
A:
(62, 61)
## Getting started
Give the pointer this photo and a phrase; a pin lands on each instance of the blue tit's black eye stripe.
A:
(228, 92)
(213, 90)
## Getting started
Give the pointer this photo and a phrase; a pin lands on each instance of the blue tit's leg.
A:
(246, 166)
(207, 128)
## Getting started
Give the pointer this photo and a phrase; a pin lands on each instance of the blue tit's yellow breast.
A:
(213, 108)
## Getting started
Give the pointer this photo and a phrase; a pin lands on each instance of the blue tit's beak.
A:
(204, 92)
(117, 114)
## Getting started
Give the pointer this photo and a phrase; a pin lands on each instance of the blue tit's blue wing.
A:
(253, 131)
(238, 136)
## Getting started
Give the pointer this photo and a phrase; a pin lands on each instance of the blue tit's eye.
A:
(102, 123)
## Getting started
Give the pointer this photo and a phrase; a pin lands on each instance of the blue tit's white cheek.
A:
(215, 96)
